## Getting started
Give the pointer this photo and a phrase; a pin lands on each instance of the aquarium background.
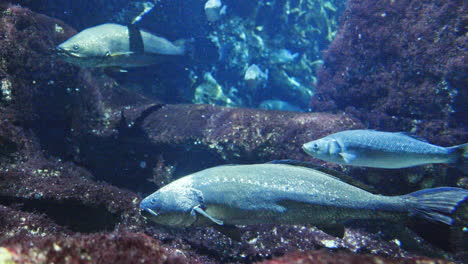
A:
(79, 148)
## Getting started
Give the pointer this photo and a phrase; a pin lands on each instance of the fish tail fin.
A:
(460, 152)
(436, 204)
(185, 45)
(459, 156)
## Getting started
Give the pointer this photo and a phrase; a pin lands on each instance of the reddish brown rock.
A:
(325, 257)
(242, 135)
(96, 248)
(398, 66)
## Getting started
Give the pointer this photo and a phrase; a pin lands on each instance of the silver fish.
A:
(370, 148)
(114, 45)
(285, 194)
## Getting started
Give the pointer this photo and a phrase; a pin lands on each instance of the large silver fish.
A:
(285, 194)
(113, 45)
(370, 148)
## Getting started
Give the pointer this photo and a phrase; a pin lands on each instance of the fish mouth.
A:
(65, 53)
(306, 150)
(148, 213)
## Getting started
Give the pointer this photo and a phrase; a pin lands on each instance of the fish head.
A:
(172, 206)
(89, 48)
(325, 148)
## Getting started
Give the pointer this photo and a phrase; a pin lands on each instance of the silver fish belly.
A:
(378, 149)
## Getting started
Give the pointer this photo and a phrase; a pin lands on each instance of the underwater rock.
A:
(255, 77)
(66, 195)
(38, 91)
(287, 84)
(240, 135)
(396, 65)
(325, 257)
(214, 10)
(123, 247)
(211, 92)
(88, 13)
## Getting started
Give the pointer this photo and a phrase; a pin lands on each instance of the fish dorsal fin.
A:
(411, 135)
(326, 171)
(135, 39)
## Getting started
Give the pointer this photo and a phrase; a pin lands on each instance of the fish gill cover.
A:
(80, 147)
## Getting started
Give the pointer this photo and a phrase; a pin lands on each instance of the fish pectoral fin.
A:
(336, 230)
(347, 157)
(200, 211)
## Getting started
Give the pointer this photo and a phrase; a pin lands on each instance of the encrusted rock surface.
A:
(241, 134)
(398, 66)
(324, 257)
(122, 247)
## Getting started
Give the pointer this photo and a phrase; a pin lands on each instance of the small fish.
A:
(285, 194)
(283, 56)
(114, 45)
(370, 148)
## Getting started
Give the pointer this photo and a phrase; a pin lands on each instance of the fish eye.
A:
(76, 47)
(315, 146)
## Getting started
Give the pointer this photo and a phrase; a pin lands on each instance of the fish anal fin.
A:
(135, 39)
(202, 212)
(336, 230)
(347, 157)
